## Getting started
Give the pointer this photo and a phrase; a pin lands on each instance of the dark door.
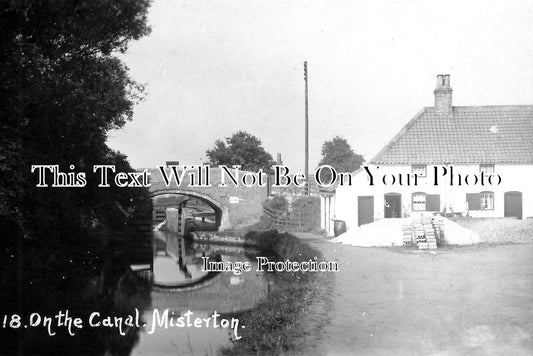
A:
(513, 205)
(393, 205)
(365, 210)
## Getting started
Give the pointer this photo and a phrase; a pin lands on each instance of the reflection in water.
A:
(64, 282)
(172, 266)
(179, 285)
(148, 272)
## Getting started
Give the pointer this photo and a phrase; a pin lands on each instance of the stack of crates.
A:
(438, 226)
(419, 233)
(429, 233)
(408, 233)
(426, 233)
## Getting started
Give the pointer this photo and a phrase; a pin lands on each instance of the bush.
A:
(285, 245)
(277, 203)
(305, 213)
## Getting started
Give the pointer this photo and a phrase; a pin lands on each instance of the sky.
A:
(212, 68)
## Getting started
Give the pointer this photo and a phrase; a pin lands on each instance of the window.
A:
(487, 201)
(480, 201)
(419, 169)
(419, 201)
(487, 169)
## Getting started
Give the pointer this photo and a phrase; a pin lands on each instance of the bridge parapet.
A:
(235, 206)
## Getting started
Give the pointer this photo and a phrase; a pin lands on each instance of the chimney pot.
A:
(439, 81)
(447, 80)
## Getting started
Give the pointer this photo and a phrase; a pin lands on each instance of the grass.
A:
(281, 324)
(499, 230)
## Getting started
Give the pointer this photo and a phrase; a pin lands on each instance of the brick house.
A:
(468, 143)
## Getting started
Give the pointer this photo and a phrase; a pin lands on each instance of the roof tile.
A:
(473, 134)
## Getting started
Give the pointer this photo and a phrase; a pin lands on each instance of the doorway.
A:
(365, 210)
(513, 204)
(393, 205)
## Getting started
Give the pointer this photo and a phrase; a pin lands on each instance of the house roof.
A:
(473, 134)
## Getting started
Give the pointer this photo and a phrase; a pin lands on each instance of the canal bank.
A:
(467, 300)
(289, 320)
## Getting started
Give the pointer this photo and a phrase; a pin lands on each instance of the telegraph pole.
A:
(306, 132)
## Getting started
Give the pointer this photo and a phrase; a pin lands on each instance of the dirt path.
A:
(457, 301)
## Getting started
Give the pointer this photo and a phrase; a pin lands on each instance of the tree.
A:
(62, 89)
(241, 149)
(339, 154)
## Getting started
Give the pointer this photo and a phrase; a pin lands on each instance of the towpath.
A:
(456, 301)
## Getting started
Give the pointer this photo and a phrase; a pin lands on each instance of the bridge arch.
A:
(221, 211)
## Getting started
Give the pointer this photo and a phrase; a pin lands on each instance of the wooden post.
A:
(182, 220)
(306, 132)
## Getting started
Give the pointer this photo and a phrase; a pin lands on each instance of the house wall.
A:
(452, 193)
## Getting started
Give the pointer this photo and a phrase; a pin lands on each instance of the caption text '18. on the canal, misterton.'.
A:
(160, 319)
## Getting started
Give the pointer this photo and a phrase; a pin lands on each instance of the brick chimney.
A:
(443, 95)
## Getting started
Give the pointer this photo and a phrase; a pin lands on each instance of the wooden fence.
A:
(295, 220)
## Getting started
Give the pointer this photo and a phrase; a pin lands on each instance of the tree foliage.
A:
(62, 89)
(241, 149)
(339, 154)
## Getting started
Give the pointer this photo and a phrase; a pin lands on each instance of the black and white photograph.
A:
(244, 177)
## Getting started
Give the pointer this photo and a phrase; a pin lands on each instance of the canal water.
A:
(152, 273)
(179, 285)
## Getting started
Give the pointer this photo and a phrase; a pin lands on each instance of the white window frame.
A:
(416, 202)
(486, 201)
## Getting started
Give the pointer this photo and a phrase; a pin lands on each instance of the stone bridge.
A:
(235, 206)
